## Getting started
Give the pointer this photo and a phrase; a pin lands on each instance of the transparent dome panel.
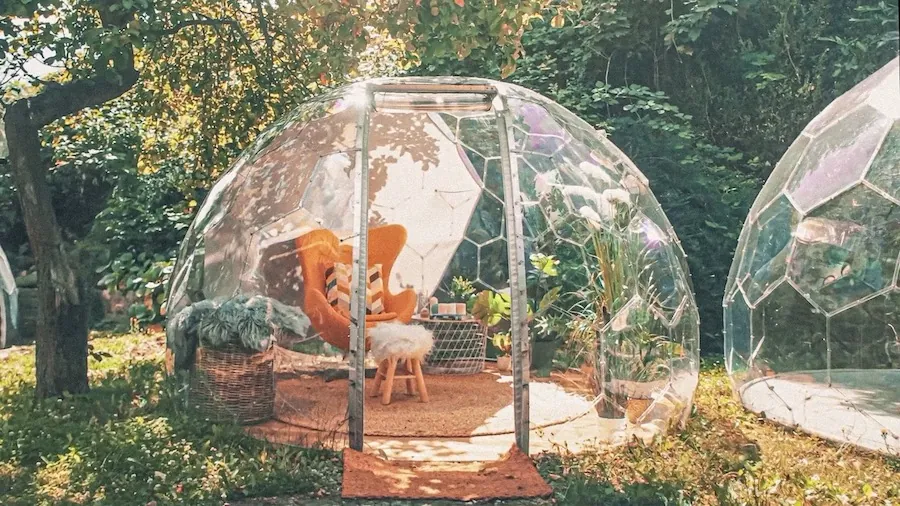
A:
(811, 311)
(610, 314)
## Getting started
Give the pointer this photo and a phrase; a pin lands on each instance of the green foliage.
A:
(724, 456)
(236, 322)
(703, 95)
(131, 441)
(253, 323)
(88, 155)
(503, 342)
(491, 307)
(461, 289)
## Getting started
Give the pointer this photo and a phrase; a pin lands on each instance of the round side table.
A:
(459, 345)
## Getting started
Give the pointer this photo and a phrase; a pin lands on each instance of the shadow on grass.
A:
(130, 442)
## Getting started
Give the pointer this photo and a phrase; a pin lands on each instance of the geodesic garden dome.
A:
(452, 187)
(812, 309)
(8, 301)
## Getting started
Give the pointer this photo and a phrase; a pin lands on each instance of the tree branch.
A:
(60, 100)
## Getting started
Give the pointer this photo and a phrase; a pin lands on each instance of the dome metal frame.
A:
(521, 351)
(540, 178)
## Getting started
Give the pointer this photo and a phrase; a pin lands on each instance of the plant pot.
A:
(542, 353)
(504, 363)
(233, 384)
(637, 389)
(635, 407)
(634, 396)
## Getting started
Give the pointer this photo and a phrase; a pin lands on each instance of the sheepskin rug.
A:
(400, 341)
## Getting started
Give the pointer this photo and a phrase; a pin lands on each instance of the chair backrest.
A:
(318, 249)
(385, 244)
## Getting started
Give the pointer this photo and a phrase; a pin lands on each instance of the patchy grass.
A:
(128, 442)
(726, 456)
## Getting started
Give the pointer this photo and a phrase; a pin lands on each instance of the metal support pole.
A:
(356, 406)
(515, 247)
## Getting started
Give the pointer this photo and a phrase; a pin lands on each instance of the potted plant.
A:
(493, 309)
(233, 371)
(503, 343)
(638, 361)
(548, 329)
(633, 353)
(462, 291)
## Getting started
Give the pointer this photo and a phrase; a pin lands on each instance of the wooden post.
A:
(356, 401)
(521, 346)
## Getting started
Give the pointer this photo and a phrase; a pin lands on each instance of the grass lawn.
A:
(128, 442)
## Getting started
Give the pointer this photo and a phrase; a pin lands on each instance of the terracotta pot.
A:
(637, 389)
(504, 363)
(634, 408)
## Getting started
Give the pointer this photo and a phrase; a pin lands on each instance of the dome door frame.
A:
(521, 349)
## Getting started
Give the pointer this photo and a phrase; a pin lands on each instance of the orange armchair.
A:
(320, 249)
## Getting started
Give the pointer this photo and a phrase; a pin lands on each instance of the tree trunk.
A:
(61, 341)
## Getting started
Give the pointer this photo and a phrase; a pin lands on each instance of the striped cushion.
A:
(337, 288)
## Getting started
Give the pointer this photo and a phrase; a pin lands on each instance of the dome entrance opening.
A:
(477, 214)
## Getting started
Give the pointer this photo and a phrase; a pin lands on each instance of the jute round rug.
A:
(460, 406)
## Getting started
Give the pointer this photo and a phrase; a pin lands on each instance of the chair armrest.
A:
(382, 317)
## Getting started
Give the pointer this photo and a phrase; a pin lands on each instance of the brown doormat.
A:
(512, 477)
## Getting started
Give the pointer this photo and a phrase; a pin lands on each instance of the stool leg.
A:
(420, 379)
(410, 382)
(389, 382)
(379, 375)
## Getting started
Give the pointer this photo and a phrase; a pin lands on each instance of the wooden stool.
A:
(387, 373)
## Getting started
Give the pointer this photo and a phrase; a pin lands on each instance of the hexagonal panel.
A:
(330, 192)
(847, 249)
(534, 223)
(837, 158)
(783, 170)
(225, 245)
(493, 178)
(465, 261)
(659, 275)
(882, 79)
(861, 336)
(885, 169)
(480, 134)
(542, 133)
(788, 334)
(493, 264)
(637, 345)
(768, 248)
(487, 222)
(738, 342)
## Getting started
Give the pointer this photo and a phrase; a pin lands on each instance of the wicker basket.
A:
(233, 384)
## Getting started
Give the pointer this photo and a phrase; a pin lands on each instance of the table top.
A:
(448, 319)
